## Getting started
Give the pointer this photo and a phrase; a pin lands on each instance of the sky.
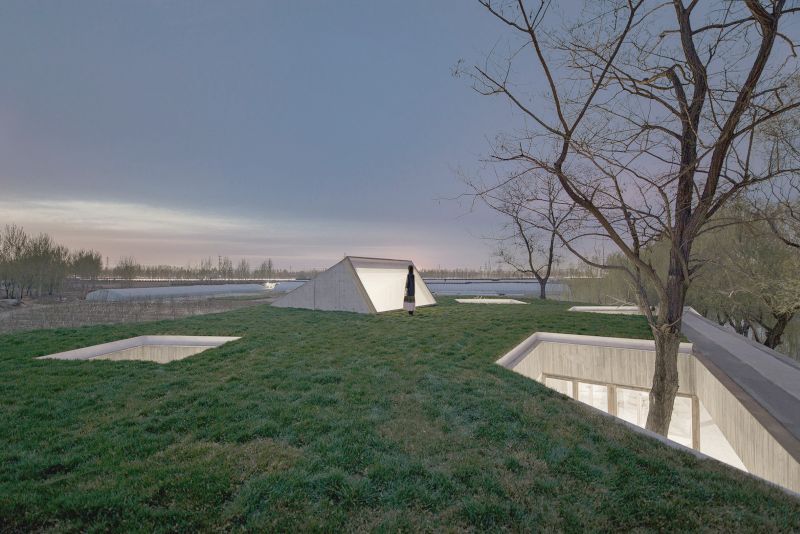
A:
(294, 130)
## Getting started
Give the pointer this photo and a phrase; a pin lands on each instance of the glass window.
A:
(680, 426)
(593, 395)
(632, 406)
(713, 442)
(562, 386)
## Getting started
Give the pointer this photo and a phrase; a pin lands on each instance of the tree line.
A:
(127, 268)
(37, 266)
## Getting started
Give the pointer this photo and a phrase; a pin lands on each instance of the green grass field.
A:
(336, 421)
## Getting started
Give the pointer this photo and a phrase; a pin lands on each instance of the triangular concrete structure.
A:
(361, 285)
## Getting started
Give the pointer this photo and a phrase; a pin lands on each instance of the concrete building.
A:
(738, 402)
(361, 285)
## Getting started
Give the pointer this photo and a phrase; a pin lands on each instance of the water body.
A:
(474, 287)
(494, 288)
(438, 286)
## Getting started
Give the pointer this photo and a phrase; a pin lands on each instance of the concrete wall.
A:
(759, 450)
(615, 365)
(631, 362)
(154, 353)
(336, 289)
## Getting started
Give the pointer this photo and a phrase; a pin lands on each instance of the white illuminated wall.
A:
(385, 283)
(632, 406)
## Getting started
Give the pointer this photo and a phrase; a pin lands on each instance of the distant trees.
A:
(206, 270)
(12, 258)
(87, 265)
(265, 270)
(752, 278)
(242, 269)
(224, 267)
(535, 216)
(36, 266)
(128, 268)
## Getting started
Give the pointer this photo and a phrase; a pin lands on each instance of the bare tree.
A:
(778, 202)
(127, 268)
(224, 267)
(87, 265)
(265, 270)
(536, 215)
(12, 253)
(243, 269)
(784, 218)
(650, 109)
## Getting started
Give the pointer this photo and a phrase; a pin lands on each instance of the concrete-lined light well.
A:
(614, 375)
(489, 301)
(158, 349)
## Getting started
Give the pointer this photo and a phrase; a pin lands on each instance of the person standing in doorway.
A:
(408, 301)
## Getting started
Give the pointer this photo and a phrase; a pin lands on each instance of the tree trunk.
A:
(775, 333)
(742, 328)
(665, 380)
(543, 289)
(667, 334)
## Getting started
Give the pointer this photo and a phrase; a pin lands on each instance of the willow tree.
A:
(645, 112)
(752, 280)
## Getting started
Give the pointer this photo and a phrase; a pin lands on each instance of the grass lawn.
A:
(336, 421)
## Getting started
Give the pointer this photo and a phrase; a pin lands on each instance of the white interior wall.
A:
(386, 286)
(552, 362)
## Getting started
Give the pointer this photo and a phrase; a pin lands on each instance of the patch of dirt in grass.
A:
(263, 455)
(409, 519)
(257, 456)
(412, 429)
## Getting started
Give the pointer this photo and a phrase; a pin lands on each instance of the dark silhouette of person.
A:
(408, 301)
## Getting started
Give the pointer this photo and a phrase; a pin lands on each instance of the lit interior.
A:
(386, 285)
(632, 404)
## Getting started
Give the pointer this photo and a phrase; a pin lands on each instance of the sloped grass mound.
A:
(337, 421)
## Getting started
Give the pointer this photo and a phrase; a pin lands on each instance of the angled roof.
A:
(358, 284)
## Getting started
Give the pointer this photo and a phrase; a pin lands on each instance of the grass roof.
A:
(333, 421)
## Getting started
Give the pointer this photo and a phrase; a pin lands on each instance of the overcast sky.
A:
(297, 130)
